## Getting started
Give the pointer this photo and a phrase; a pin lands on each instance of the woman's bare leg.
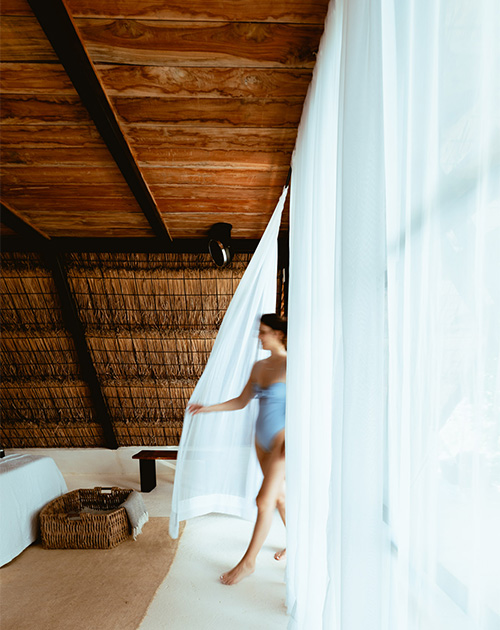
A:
(263, 457)
(281, 503)
(279, 555)
(274, 475)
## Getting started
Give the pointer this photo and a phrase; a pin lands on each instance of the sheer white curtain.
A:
(217, 469)
(393, 410)
(443, 262)
(335, 403)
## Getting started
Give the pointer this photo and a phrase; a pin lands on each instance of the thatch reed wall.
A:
(150, 322)
(176, 353)
(24, 356)
(32, 297)
(50, 435)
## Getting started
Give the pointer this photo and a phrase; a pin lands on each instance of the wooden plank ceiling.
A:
(207, 96)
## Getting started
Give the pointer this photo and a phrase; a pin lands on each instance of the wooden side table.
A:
(147, 466)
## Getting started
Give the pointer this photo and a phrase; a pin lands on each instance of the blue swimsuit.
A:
(271, 418)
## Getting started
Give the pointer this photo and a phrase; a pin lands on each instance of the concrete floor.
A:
(191, 596)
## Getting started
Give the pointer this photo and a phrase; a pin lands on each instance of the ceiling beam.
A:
(139, 245)
(63, 36)
(41, 243)
(148, 245)
(31, 236)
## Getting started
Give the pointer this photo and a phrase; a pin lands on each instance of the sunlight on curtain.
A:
(443, 261)
(393, 403)
(217, 469)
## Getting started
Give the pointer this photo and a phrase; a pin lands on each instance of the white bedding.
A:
(27, 483)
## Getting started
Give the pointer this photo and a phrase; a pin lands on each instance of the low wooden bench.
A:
(147, 466)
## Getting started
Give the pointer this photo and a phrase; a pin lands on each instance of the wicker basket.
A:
(64, 525)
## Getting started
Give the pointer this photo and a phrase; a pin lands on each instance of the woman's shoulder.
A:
(256, 370)
(258, 364)
(268, 362)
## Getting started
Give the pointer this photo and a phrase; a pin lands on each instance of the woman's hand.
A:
(195, 408)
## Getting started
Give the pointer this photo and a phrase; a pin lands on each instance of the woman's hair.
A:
(275, 322)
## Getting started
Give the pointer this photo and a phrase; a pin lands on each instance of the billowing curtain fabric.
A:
(393, 383)
(217, 469)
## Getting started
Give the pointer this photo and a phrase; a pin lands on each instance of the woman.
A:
(267, 381)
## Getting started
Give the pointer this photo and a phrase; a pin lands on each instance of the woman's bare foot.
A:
(240, 571)
(279, 555)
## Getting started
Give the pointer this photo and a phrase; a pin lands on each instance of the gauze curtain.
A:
(442, 135)
(335, 392)
(393, 383)
(217, 469)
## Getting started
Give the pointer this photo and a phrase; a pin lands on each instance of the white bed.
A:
(27, 483)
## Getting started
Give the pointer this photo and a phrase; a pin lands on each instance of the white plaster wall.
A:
(100, 461)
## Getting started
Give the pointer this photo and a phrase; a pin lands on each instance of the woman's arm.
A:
(230, 405)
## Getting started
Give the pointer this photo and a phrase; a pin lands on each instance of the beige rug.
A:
(86, 589)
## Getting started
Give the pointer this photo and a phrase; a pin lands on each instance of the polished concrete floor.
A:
(191, 596)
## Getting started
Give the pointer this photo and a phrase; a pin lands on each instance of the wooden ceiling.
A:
(153, 118)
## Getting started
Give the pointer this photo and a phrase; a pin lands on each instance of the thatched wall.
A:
(150, 321)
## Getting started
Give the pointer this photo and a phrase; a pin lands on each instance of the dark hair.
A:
(275, 322)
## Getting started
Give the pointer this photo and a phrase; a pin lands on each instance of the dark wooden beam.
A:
(148, 245)
(63, 36)
(41, 243)
(138, 245)
(31, 237)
